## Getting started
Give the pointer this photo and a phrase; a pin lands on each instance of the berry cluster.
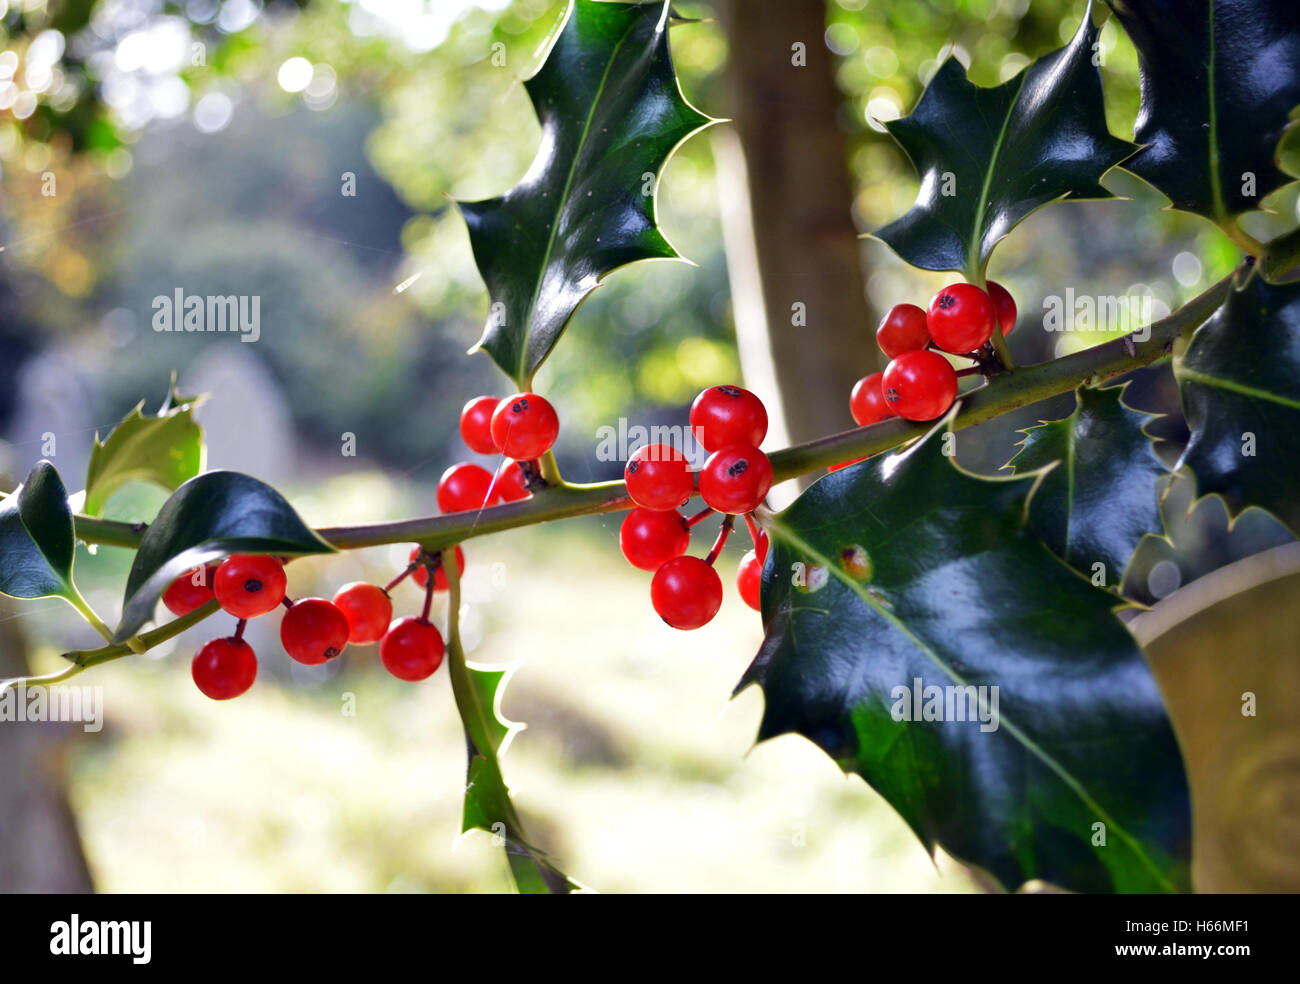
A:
(313, 630)
(521, 428)
(919, 383)
(730, 423)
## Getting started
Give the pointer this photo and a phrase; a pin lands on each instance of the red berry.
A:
(686, 592)
(510, 482)
(961, 318)
(189, 591)
(249, 585)
(476, 424)
(723, 415)
(368, 610)
(314, 631)
(903, 329)
(649, 538)
(749, 578)
(421, 574)
(844, 464)
(867, 401)
(463, 487)
(920, 385)
(735, 479)
(411, 649)
(658, 477)
(524, 426)
(1005, 305)
(224, 668)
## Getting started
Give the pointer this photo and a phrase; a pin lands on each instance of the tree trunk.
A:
(790, 238)
(40, 850)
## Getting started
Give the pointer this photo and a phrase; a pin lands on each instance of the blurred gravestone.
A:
(246, 420)
(1226, 643)
(52, 400)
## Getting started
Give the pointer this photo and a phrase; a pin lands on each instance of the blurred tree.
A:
(809, 269)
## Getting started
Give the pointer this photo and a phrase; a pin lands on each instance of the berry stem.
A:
(83, 608)
(532, 475)
(721, 541)
(89, 614)
(754, 530)
(410, 569)
(549, 469)
(1244, 241)
(702, 514)
(481, 724)
(81, 659)
(997, 339)
(969, 356)
(1002, 350)
(428, 590)
(474, 714)
(239, 628)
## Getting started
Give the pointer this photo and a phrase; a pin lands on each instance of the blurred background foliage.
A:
(147, 146)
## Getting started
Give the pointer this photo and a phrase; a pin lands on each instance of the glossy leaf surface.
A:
(902, 581)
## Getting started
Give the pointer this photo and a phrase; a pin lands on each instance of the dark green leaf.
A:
(211, 516)
(1101, 498)
(1219, 80)
(36, 538)
(166, 449)
(987, 158)
(905, 568)
(1240, 383)
(611, 114)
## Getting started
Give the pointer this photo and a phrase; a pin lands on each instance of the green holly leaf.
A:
(1240, 383)
(487, 804)
(209, 517)
(165, 449)
(37, 543)
(905, 573)
(1219, 81)
(488, 807)
(988, 157)
(489, 685)
(1100, 499)
(611, 113)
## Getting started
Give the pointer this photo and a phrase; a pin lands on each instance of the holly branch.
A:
(1002, 392)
